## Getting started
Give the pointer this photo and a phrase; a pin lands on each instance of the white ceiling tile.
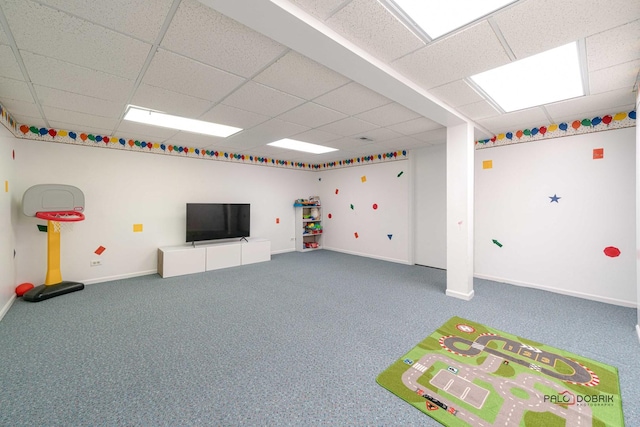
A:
(156, 98)
(348, 144)
(414, 126)
(319, 8)
(79, 103)
(521, 119)
(201, 33)
(613, 47)
(139, 131)
(34, 121)
(20, 108)
(601, 103)
(435, 136)
(8, 64)
(534, 26)
(3, 37)
(77, 41)
(300, 76)
(403, 142)
(311, 115)
(362, 150)
(65, 76)
(478, 110)
(261, 99)
(348, 127)
(371, 26)
(456, 93)
(343, 154)
(196, 140)
(316, 136)
(95, 130)
(268, 151)
(183, 75)
(448, 59)
(140, 18)
(232, 116)
(381, 134)
(15, 89)
(352, 99)
(264, 133)
(389, 114)
(616, 77)
(80, 120)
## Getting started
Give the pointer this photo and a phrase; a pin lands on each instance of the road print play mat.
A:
(469, 374)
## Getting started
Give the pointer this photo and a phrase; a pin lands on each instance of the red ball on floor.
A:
(23, 288)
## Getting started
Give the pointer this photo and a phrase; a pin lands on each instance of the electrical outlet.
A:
(95, 263)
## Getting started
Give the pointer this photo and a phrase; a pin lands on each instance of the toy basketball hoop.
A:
(61, 206)
(61, 216)
(61, 220)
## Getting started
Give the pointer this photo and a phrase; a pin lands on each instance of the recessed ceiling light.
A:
(550, 76)
(292, 144)
(156, 118)
(437, 18)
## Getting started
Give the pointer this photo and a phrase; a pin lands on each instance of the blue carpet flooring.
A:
(297, 341)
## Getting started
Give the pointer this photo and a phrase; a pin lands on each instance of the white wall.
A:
(7, 238)
(381, 186)
(122, 189)
(559, 250)
(559, 246)
(430, 205)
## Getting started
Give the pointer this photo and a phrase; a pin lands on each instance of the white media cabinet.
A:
(188, 259)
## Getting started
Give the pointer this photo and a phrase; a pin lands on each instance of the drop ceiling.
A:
(349, 74)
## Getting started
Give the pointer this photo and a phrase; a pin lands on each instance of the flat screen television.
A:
(212, 221)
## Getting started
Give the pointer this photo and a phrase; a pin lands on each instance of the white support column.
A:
(460, 158)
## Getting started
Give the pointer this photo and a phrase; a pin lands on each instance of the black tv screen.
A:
(211, 221)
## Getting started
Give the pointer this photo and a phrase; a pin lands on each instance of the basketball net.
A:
(59, 226)
(61, 220)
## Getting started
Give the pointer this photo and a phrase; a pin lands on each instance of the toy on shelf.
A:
(311, 201)
(313, 228)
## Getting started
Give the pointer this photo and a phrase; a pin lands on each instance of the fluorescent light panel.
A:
(437, 18)
(292, 144)
(157, 118)
(550, 76)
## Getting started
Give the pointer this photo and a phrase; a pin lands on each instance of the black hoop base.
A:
(43, 292)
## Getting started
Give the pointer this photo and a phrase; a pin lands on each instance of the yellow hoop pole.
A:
(54, 276)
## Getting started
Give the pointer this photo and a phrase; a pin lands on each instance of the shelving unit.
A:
(308, 228)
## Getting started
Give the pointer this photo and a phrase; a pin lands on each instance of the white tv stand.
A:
(188, 259)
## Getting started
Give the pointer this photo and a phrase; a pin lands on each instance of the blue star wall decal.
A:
(554, 198)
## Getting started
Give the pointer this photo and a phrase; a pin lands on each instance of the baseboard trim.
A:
(396, 260)
(455, 294)
(118, 277)
(638, 331)
(598, 298)
(7, 306)
(283, 251)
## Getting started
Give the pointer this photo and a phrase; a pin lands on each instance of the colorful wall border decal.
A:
(577, 127)
(88, 139)
(7, 120)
